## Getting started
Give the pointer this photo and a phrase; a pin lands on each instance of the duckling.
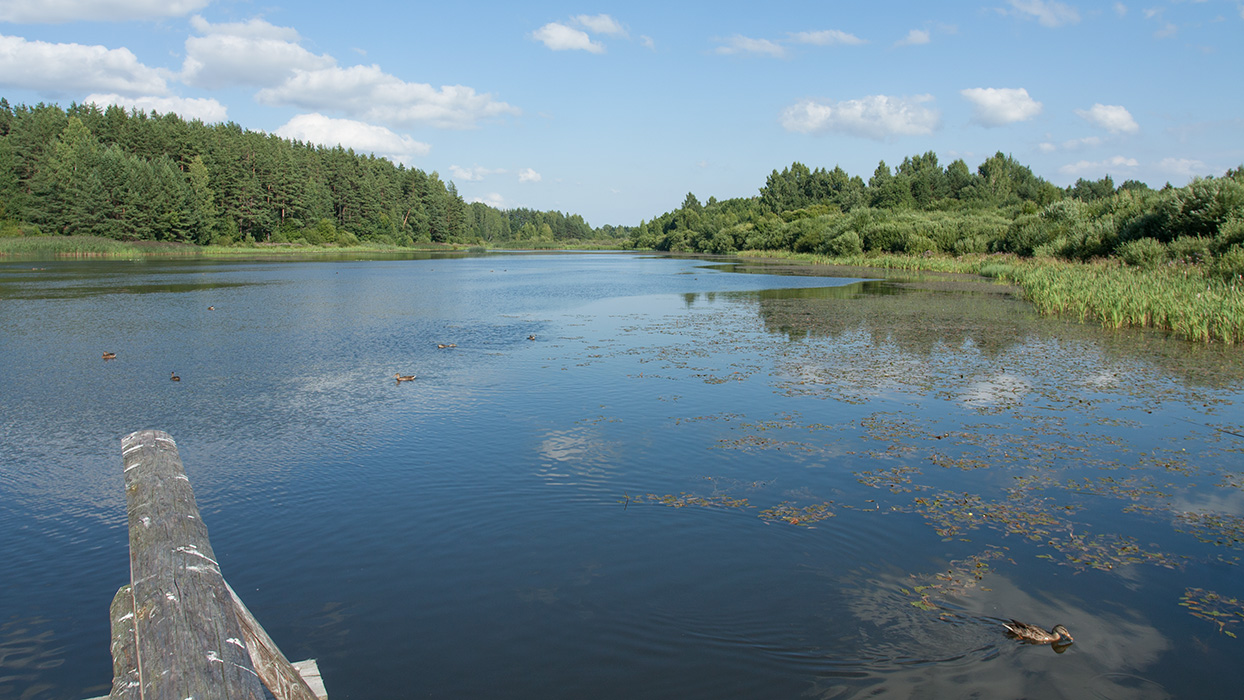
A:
(1036, 635)
(174, 377)
(110, 356)
(404, 377)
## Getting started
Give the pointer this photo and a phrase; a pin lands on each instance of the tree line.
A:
(130, 175)
(920, 207)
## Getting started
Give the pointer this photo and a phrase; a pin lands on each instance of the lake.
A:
(697, 478)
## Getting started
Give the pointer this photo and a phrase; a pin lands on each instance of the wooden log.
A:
(280, 677)
(188, 639)
(125, 685)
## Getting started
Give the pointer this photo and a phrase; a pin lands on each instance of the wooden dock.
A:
(179, 631)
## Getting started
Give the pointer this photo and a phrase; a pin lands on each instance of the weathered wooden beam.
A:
(188, 641)
(280, 677)
(124, 652)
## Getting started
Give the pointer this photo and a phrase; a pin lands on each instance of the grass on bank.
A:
(1186, 300)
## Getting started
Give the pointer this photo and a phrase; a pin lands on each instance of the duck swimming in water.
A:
(404, 377)
(1036, 635)
(174, 376)
(110, 356)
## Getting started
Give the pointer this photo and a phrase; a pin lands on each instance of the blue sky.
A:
(617, 110)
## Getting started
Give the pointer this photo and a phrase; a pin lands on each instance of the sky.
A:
(616, 110)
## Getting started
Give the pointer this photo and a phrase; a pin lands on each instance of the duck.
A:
(110, 356)
(531, 337)
(442, 346)
(1036, 635)
(211, 308)
(404, 377)
(174, 377)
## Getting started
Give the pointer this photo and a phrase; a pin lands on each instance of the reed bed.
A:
(1182, 300)
(44, 247)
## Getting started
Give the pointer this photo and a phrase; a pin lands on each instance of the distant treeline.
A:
(133, 176)
(920, 207)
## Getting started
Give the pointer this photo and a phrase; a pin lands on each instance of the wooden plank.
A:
(125, 684)
(188, 638)
(310, 672)
(280, 677)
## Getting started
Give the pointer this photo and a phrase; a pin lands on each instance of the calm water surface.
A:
(694, 482)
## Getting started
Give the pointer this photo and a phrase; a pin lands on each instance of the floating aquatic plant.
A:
(1221, 610)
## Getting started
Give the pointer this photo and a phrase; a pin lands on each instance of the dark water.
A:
(692, 483)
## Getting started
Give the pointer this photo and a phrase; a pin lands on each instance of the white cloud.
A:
(1112, 118)
(648, 43)
(876, 117)
(204, 109)
(1187, 167)
(474, 174)
(528, 175)
(743, 44)
(492, 199)
(245, 53)
(1168, 30)
(1000, 106)
(1120, 9)
(827, 37)
(1071, 144)
(600, 24)
(59, 69)
(1048, 14)
(58, 11)
(914, 38)
(362, 137)
(559, 37)
(370, 94)
(1088, 167)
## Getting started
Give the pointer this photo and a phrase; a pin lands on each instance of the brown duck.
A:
(110, 356)
(1036, 635)
(404, 377)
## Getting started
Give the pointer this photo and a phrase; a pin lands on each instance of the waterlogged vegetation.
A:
(1051, 468)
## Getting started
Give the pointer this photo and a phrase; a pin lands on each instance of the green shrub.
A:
(13, 229)
(918, 245)
(1229, 266)
(844, 245)
(1026, 234)
(1145, 253)
(1230, 233)
(884, 236)
(1189, 249)
(720, 243)
(971, 245)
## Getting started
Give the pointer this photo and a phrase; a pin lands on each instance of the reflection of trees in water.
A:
(886, 321)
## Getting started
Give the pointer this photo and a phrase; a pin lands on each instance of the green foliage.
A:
(845, 244)
(1145, 253)
(1229, 267)
(139, 176)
